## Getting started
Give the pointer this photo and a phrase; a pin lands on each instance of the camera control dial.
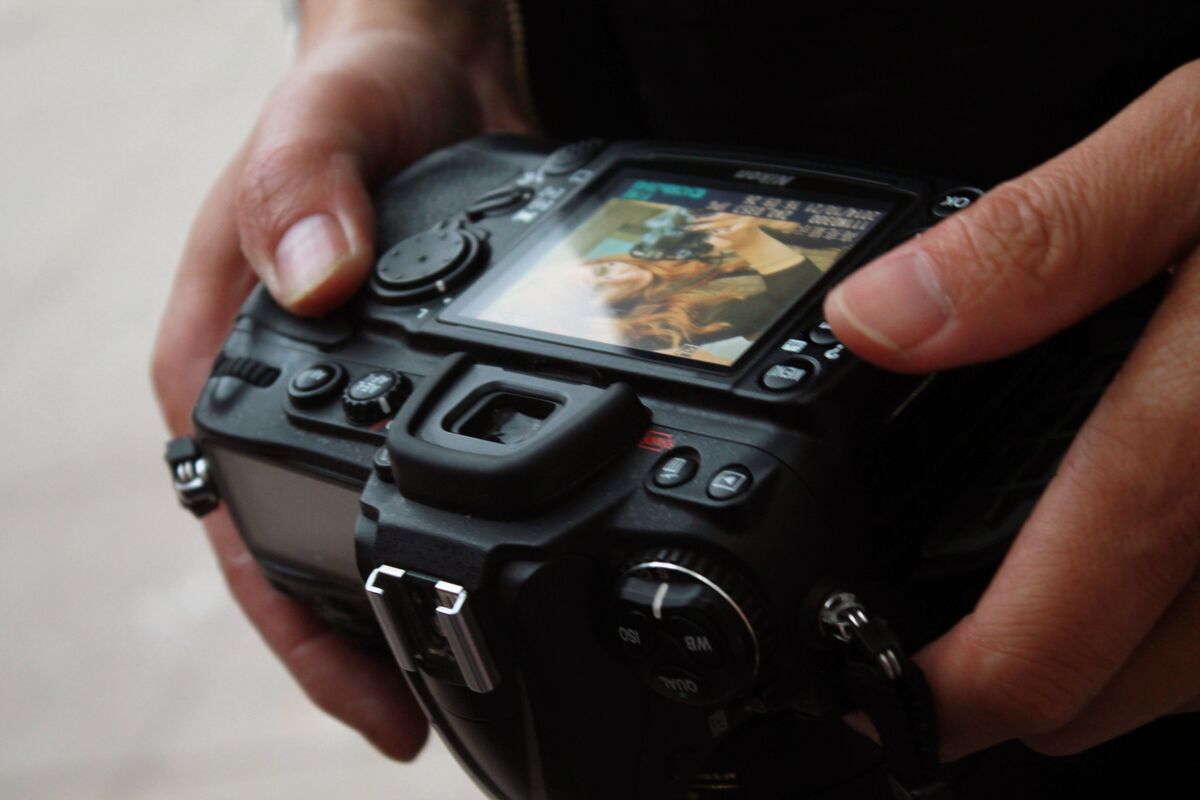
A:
(426, 264)
(690, 626)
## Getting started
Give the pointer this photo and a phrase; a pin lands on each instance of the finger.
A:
(1109, 547)
(210, 285)
(367, 693)
(357, 107)
(1190, 707)
(1161, 676)
(1040, 252)
(212, 281)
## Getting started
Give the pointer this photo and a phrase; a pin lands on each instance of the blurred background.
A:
(125, 669)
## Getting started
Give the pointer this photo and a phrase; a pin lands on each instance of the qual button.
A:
(679, 684)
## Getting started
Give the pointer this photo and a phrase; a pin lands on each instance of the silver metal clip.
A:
(448, 644)
(843, 619)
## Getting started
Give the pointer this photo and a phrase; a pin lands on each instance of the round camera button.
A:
(676, 469)
(955, 200)
(822, 334)
(730, 482)
(789, 374)
(680, 685)
(700, 644)
(316, 383)
(635, 634)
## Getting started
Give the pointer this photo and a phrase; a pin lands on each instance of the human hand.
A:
(378, 84)
(1091, 627)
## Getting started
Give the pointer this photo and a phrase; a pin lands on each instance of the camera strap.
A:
(891, 689)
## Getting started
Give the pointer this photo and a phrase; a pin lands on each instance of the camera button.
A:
(499, 201)
(679, 684)
(729, 483)
(675, 470)
(316, 383)
(571, 157)
(635, 634)
(373, 396)
(701, 646)
(954, 200)
(789, 374)
(822, 334)
(834, 353)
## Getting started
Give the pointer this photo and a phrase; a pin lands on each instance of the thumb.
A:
(352, 109)
(1040, 252)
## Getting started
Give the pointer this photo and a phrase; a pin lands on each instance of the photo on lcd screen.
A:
(688, 271)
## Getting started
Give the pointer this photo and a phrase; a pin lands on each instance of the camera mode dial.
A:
(374, 396)
(689, 625)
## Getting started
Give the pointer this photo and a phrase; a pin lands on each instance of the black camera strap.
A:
(891, 689)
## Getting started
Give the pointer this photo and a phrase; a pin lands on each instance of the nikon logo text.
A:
(769, 178)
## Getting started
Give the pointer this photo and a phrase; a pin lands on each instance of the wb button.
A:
(701, 646)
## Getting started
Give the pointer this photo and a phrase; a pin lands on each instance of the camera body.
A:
(586, 455)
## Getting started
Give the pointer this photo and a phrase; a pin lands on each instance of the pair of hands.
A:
(1092, 625)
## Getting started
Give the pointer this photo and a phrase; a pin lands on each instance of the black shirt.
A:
(982, 94)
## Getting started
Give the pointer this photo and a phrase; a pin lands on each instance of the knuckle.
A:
(271, 184)
(1023, 686)
(1152, 517)
(1015, 242)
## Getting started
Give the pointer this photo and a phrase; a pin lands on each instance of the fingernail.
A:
(860, 723)
(896, 302)
(307, 254)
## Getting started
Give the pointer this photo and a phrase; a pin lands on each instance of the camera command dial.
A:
(426, 264)
(688, 626)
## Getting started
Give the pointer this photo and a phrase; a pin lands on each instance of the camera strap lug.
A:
(193, 483)
(891, 689)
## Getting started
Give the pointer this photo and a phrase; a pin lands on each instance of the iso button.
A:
(954, 201)
(789, 374)
(373, 396)
(635, 634)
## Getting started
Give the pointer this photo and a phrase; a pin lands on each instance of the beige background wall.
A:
(125, 670)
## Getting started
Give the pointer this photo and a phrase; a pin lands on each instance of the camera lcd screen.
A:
(678, 266)
(291, 516)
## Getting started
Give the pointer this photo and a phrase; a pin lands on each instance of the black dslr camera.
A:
(586, 456)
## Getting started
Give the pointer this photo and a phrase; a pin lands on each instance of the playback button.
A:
(730, 482)
(790, 373)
